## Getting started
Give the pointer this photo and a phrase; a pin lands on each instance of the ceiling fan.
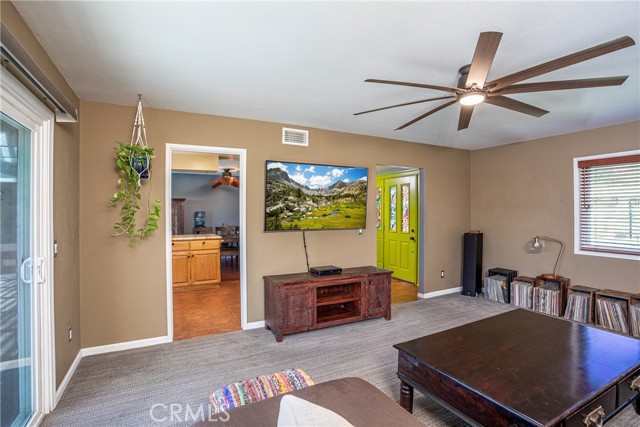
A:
(225, 179)
(473, 88)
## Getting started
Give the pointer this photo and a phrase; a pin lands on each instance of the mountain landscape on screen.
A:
(314, 197)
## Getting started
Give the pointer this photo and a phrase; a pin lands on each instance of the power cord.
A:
(306, 255)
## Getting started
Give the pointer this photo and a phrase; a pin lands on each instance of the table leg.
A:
(406, 396)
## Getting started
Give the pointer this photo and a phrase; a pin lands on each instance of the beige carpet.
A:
(121, 389)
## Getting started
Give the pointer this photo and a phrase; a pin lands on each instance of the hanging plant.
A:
(133, 162)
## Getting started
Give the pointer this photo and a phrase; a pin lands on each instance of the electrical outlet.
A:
(70, 333)
(442, 274)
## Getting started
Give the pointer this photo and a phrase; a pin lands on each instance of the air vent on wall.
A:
(295, 137)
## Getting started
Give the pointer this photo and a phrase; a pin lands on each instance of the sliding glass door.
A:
(16, 296)
(27, 377)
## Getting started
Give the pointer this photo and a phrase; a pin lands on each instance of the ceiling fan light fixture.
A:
(472, 98)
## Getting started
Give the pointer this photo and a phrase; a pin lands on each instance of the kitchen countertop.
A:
(184, 237)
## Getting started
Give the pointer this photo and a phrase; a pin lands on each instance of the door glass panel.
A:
(378, 208)
(392, 208)
(405, 207)
(15, 274)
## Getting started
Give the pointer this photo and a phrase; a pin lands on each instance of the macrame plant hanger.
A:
(141, 164)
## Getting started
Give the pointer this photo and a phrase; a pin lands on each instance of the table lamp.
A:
(536, 245)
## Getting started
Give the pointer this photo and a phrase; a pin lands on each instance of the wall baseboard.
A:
(440, 293)
(90, 351)
(254, 325)
(67, 377)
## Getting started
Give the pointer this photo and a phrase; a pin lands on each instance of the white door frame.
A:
(21, 105)
(242, 153)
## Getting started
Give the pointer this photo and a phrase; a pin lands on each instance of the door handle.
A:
(26, 265)
(412, 238)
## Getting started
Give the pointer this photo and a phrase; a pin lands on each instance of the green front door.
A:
(397, 228)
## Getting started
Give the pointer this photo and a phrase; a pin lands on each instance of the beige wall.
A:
(123, 290)
(526, 189)
(65, 204)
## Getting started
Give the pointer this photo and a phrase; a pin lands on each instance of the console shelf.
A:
(336, 299)
(332, 313)
(304, 301)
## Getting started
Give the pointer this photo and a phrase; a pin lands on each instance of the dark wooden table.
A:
(522, 368)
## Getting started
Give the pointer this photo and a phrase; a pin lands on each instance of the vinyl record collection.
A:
(522, 294)
(547, 299)
(634, 312)
(578, 307)
(613, 314)
(495, 288)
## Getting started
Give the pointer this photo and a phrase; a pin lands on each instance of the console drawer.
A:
(606, 402)
(625, 392)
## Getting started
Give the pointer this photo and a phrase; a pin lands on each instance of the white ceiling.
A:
(304, 63)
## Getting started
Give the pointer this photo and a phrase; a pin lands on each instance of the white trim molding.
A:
(254, 325)
(68, 376)
(440, 293)
(109, 348)
(128, 345)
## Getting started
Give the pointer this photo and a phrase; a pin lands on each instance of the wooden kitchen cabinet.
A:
(195, 262)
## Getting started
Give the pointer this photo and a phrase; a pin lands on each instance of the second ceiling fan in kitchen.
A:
(225, 179)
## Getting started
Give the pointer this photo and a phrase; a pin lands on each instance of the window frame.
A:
(576, 207)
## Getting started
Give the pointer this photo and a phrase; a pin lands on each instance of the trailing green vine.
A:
(129, 182)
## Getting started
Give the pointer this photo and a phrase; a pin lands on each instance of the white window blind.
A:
(609, 202)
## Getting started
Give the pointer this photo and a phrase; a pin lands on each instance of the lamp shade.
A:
(535, 245)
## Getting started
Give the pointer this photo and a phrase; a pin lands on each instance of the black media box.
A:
(325, 270)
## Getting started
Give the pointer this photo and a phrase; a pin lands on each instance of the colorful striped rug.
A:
(258, 388)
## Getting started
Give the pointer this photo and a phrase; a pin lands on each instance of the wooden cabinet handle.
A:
(635, 384)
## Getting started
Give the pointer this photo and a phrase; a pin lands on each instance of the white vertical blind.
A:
(610, 204)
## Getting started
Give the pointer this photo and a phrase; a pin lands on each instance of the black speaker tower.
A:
(472, 264)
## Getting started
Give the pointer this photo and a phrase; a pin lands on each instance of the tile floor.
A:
(217, 310)
(208, 311)
(402, 291)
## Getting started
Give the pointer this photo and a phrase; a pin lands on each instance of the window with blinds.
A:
(609, 204)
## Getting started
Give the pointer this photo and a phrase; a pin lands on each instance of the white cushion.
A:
(299, 412)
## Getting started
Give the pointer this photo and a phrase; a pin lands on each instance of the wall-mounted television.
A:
(307, 196)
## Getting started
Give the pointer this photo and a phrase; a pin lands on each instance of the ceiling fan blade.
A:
(565, 61)
(483, 58)
(512, 104)
(406, 103)
(465, 116)
(428, 113)
(562, 85)
(424, 86)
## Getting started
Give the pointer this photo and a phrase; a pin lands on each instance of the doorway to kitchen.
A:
(206, 263)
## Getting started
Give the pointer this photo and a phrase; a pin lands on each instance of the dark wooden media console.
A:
(303, 301)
